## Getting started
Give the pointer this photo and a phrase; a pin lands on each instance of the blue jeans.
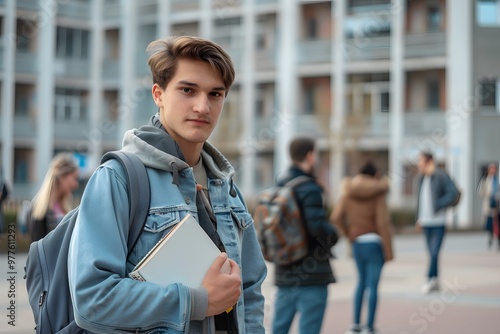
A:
(434, 236)
(308, 301)
(369, 258)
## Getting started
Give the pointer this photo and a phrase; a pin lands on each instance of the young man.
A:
(436, 192)
(191, 78)
(303, 286)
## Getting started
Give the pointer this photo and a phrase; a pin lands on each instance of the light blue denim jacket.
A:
(105, 299)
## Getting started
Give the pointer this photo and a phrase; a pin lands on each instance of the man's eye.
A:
(186, 90)
(216, 94)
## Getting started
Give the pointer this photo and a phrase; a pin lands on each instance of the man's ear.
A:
(157, 93)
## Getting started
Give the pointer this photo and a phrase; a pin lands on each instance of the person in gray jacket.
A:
(191, 78)
(436, 193)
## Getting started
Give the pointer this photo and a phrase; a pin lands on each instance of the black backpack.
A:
(47, 263)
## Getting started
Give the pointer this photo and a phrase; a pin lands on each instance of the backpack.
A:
(282, 234)
(46, 270)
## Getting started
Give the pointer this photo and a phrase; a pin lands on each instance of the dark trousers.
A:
(434, 236)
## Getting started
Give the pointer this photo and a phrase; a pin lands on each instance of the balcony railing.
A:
(418, 123)
(315, 51)
(26, 62)
(266, 2)
(27, 4)
(73, 9)
(367, 48)
(367, 126)
(112, 10)
(425, 45)
(110, 69)
(72, 68)
(24, 127)
(265, 59)
(147, 7)
(185, 5)
(72, 130)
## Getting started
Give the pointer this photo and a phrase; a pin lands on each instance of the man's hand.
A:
(223, 289)
(418, 227)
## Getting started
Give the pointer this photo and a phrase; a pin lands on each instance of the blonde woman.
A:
(53, 200)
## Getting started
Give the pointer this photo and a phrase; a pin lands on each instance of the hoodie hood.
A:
(365, 187)
(157, 149)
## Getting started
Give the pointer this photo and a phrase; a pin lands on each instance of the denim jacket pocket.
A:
(242, 220)
(158, 223)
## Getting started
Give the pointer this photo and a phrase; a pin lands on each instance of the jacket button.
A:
(187, 200)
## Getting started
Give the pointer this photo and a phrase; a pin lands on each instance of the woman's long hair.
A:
(62, 164)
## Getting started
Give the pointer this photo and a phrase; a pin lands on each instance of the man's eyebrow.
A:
(193, 84)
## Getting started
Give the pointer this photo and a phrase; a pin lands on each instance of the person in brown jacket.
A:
(362, 216)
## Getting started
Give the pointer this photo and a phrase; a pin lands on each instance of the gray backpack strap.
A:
(138, 193)
(298, 180)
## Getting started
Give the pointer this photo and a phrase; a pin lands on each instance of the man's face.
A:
(422, 163)
(191, 103)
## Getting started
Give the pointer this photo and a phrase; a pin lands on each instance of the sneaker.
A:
(371, 331)
(430, 286)
(355, 329)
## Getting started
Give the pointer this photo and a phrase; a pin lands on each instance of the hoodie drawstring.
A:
(232, 192)
(175, 173)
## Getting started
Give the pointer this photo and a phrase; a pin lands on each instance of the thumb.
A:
(219, 262)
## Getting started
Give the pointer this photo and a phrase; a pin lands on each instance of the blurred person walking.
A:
(436, 193)
(303, 285)
(4, 193)
(362, 216)
(488, 190)
(54, 198)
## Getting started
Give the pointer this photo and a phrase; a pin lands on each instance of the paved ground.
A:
(469, 302)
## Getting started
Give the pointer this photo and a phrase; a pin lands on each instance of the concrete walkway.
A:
(469, 302)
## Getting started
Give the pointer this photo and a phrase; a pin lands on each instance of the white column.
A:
(248, 152)
(206, 24)
(8, 86)
(286, 82)
(163, 28)
(338, 86)
(96, 89)
(460, 103)
(128, 36)
(397, 96)
(45, 89)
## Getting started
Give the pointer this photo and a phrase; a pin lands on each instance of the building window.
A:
(70, 105)
(21, 166)
(22, 100)
(309, 100)
(384, 102)
(487, 13)
(312, 28)
(488, 93)
(433, 94)
(72, 43)
(433, 19)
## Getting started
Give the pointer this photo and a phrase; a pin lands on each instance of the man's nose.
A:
(202, 104)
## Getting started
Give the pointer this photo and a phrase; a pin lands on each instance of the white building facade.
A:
(374, 79)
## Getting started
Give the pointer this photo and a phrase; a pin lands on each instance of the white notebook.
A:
(181, 256)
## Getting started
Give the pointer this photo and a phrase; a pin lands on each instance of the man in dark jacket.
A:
(303, 285)
(436, 193)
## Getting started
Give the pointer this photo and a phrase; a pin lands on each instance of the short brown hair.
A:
(427, 155)
(300, 147)
(164, 54)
